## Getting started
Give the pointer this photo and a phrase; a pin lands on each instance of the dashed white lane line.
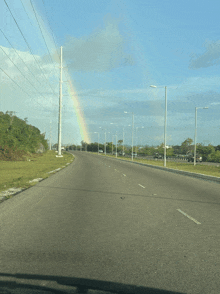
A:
(198, 223)
(141, 186)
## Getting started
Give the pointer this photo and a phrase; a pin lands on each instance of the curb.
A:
(186, 173)
(13, 191)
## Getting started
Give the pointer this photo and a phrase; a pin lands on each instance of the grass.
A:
(18, 173)
(199, 168)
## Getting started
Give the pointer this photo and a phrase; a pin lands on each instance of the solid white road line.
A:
(198, 223)
(141, 186)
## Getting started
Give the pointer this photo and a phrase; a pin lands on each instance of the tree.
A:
(217, 148)
(187, 146)
(17, 134)
(207, 152)
(160, 149)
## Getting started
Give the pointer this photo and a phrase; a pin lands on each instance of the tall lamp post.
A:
(116, 144)
(136, 139)
(98, 141)
(112, 138)
(123, 141)
(196, 131)
(165, 126)
(60, 105)
(105, 142)
(132, 138)
(112, 144)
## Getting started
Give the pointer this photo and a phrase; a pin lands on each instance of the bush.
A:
(214, 157)
(11, 153)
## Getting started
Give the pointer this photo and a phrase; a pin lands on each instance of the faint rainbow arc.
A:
(79, 113)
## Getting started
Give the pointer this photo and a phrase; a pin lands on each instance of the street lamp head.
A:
(125, 112)
(152, 86)
(205, 107)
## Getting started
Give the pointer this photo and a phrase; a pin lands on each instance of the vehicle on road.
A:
(157, 155)
(100, 151)
(190, 158)
(122, 153)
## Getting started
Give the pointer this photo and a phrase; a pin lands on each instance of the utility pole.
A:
(50, 135)
(105, 142)
(60, 103)
(123, 141)
(165, 130)
(116, 144)
(132, 140)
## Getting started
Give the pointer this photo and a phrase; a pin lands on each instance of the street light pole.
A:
(98, 140)
(195, 135)
(165, 129)
(196, 131)
(165, 126)
(132, 136)
(112, 144)
(132, 139)
(136, 140)
(123, 142)
(105, 142)
(60, 104)
(116, 143)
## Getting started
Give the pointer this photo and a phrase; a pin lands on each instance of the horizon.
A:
(114, 51)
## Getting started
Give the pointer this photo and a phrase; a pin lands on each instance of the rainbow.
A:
(51, 44)
(79, 113)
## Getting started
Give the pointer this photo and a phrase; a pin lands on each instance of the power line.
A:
(39, 27)
(21, 72)
(20, 57)
(14, 81)
(27, 43)
(19, 86)
(55, 43)
(41, 30)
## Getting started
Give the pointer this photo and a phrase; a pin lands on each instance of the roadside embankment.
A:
(16, 176)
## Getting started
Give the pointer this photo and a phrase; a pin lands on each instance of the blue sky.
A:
(114, 51)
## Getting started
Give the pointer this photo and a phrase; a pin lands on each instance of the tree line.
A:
(209, 153)
(18, 138)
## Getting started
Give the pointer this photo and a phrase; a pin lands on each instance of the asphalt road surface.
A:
(105, 219)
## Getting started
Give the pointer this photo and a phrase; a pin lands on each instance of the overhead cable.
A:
(27, 44)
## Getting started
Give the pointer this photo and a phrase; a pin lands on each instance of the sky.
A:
(113, 51)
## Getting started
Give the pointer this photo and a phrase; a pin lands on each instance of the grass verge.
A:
(200, 168)
(17, 174)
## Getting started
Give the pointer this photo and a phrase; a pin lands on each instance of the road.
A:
(111, 220)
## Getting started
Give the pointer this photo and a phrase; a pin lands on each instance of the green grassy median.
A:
(18, 173)
(199, 168)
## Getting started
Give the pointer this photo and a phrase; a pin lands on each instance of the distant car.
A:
(157, 155)
(100, 151)
(191, 158)
(134, 154)
(122, 153)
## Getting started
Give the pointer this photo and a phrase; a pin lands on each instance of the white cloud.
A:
(101, 51)
(210, 57)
